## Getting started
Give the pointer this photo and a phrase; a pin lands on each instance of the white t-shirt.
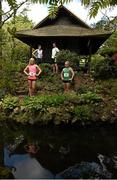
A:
(39, 53)
(54, 51)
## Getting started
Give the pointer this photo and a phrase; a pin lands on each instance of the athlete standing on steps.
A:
(67, 76)
(32, 70)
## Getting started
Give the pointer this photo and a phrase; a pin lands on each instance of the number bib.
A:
(66, 75)
(32, 74)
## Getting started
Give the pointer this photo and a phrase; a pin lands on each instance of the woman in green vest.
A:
(67, 75)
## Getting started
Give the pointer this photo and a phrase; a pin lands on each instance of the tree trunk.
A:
(0, 29)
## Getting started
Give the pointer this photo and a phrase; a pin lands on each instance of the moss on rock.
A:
(5, 173)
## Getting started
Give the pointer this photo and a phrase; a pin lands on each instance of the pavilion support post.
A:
(89, 59)
(30, 52)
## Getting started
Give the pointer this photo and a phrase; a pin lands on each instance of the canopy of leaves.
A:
(93, 5)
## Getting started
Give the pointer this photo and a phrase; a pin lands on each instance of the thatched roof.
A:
(67, 30)
(62, 30)
(62, 13)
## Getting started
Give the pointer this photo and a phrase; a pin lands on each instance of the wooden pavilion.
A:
(68, 31)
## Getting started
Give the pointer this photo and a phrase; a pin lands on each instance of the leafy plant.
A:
(90, 97)
(7, 72)
(41, 102)
(82, 113)
(102, 67)
(46, 70)
(66, 55)
(10, 102)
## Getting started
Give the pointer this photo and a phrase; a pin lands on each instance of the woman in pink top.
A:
(32, 71)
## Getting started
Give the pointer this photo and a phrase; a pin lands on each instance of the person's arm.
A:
(39, 70)
(34, 53)
(72, 72)
(25, 71)
(42, 53)
(57, 50)
(62, 75)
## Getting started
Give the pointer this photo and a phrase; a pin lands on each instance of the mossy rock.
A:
(5, 173)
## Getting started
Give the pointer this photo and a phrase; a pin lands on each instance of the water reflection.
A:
(25, 165)
(81, 154)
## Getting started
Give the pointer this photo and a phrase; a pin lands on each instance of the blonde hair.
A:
(67, 62)
(31, 61)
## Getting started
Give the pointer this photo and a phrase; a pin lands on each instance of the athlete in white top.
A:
(55, 50)
(38, 54)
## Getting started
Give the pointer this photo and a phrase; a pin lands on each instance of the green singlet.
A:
(66, 74)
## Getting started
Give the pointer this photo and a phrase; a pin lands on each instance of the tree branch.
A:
(9, 13)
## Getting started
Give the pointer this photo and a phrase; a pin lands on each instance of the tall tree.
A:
(96, 5)
(6, 15)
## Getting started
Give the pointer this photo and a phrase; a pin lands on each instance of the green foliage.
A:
(90, 97)
(13, 48)
(53, 11)
(38, 102)
(82, 113)
(5, 173)
(7, 75)
(13, 58)
(31, 104)
(10, 102)
(66, 55)
(108, 87)
(95, 6)
(102, 67)
(107, 51)
(106, 24)
(110, 46)
(46, 70)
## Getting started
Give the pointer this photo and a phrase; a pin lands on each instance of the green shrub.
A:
(46, 70)
(82, 113)
(66, 55)
(90, 97)
(7, 71)
(102, 67)
(20, 66)
(107, 51)
(41, 102)
(5, 173)
(10, 102)
(31, 103)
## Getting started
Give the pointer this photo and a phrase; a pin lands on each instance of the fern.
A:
(53, 9)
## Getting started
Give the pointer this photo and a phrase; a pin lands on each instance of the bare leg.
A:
(33, 87)
(30, 87)
(56, 68)
(67, 87)
(53, 66)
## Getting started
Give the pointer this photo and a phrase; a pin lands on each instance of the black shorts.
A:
(53, 61)
(67, 81)
(38, 61)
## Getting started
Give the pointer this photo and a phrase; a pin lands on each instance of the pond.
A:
(59, 152)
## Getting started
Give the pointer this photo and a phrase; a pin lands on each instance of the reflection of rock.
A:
(5, 173)
(107, 163)
(85, 170)
(64, 150)
(17, 142)
(25, 167)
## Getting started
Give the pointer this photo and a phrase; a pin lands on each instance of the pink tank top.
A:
(32, 72)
